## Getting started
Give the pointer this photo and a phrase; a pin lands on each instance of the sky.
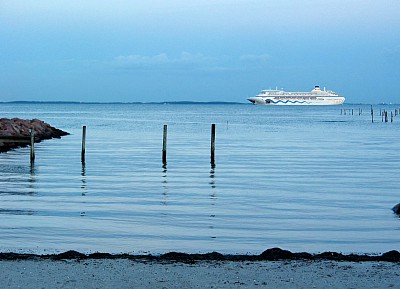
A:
(196, 50)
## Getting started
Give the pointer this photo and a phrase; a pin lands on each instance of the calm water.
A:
(301, 178)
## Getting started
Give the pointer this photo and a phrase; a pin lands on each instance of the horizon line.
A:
(156, 102)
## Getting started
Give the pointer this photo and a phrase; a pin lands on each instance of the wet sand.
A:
(125, 273)
(274, 268)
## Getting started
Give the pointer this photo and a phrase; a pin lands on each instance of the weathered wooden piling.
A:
(391, 116)
(386, 116)
(164, 148)
(213, 144)
(32, 157)
(83, 152)
(372, 114)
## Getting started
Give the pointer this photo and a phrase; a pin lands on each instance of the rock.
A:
(69, 255)
(274, 254)
(396, 209)
(17, 127)
(391, 256)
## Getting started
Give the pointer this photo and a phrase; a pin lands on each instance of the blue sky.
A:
(220, 50)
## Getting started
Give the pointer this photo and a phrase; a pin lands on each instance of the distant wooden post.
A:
(372, 114)
(164, 149)
(213, 144)
(391, 116)
(32, 145)
(386, 116)
(83, 144)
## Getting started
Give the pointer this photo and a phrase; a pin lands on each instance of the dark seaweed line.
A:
(273, 254)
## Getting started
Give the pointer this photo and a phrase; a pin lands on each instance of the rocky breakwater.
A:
(12, 129)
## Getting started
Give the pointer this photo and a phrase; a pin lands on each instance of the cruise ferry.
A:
(314, 97)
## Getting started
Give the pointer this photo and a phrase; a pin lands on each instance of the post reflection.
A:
(212, 177)
(213, 197)
(32, 179)
(164, 184)
(83, 179)
(11, 175)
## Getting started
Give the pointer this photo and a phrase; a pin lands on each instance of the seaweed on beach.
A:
(273, 254)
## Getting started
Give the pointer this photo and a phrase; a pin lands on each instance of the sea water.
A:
(300, 178)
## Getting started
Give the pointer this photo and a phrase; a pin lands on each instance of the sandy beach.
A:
(125, 273)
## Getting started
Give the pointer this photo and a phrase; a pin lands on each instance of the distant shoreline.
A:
(118, 102)
(160, 102)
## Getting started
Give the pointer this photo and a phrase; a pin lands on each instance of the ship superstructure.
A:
(314, 97)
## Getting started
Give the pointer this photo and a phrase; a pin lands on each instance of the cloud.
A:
(188, 61)
(185, 61)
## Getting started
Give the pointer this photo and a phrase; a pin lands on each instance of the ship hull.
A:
(314, 97)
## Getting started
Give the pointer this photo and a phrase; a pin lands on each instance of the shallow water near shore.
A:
(300, 178)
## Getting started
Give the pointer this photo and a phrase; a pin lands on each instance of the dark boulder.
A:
(69, 255)
(274, 254)
(396, 209)
(391, 256)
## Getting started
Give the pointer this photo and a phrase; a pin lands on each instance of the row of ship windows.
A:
(288, 97)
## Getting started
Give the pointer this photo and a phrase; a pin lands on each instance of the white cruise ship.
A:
(314, 97)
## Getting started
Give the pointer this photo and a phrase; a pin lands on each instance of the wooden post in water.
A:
(83, 144)
(386, 116)
(213, 144)
(372, 114)
(391, 116)
(32, 145)
(164, 148)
